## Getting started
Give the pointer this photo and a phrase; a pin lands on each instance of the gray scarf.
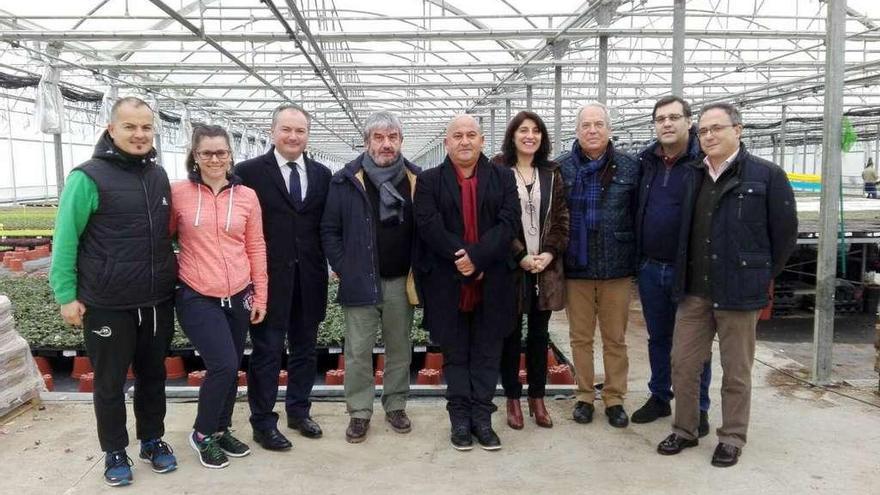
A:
(384, 178)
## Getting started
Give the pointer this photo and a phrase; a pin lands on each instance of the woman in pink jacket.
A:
(223, 282)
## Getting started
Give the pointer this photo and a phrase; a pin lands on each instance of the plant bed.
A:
(38, 320)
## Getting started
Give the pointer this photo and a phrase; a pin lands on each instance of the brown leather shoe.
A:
(725, 455)
(539, 411)
(514, 414)
(399, 421)
(357, 430)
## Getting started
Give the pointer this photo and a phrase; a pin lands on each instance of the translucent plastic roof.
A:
(232, 61)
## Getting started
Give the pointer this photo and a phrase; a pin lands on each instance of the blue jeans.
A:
(655, 290)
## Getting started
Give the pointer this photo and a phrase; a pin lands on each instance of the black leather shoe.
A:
(725, 455)
(583, 412)
(461, 438)
(486, 437)
(673, 444)
(306, 426)
(272, 439)
(654, 408)
(703, 429)
(617, 416)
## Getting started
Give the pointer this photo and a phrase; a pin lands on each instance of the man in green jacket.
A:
(113, 273)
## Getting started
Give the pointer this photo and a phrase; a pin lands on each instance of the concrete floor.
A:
(801, 440)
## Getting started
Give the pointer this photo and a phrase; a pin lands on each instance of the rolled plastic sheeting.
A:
(50, 105)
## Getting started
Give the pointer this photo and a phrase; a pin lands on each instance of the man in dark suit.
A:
(467, 213)
(292, 189)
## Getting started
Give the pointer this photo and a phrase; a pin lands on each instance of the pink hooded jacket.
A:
(221, 239)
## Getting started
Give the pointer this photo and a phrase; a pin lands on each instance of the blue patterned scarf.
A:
(585, 207)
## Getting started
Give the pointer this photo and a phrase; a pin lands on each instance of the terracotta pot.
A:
(380, 377)
(380, 362)
(195, 378)
(561, 375)
(334, 377)
(340, 362)
(81, 365)
(523, 377)
(43, 365)
(130, 374)
(87, 382)
(428, 377)
(434, 361)
(174, 369)
(282, 378)
(15, 265)
(242, 379)
(551, 358)
(50, 384)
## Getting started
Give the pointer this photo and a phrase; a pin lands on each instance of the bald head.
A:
(464, 141)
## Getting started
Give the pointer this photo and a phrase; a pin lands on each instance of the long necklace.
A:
(530, 205)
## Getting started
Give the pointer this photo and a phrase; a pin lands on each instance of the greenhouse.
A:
(798, 81)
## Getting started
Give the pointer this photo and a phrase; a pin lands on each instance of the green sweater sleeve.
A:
(79, 200)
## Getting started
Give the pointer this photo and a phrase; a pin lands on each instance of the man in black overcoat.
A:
(292, 189)
(467, 212)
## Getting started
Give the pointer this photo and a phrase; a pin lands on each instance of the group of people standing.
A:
(479, 243)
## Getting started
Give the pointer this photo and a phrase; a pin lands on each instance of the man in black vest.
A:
(113, 273)
(292, 189)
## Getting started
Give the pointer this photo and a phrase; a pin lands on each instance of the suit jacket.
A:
(437, 211)
(293, 239)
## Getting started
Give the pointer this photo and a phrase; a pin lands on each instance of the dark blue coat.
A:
(293, 238)
(754, 231)
(437, 212)
(649, 165)
(613, 250)
(348, 235)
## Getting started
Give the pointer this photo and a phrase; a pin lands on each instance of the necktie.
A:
(295, 186)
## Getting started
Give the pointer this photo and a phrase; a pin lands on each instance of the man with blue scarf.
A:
(601, 189)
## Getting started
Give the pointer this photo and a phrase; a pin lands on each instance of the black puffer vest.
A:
(125, 259)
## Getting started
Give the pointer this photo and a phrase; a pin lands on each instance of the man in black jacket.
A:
(113, 272)
(467, 214)
(292, 189)
(666, 167)
(743, 227)
(368, 234)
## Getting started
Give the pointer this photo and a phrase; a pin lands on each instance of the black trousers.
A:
(114, 340)
(537, 340)
(470, 364)
(265, 363)
(218, 330)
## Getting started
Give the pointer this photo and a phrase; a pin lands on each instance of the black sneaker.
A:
(461, 438)
(703, 429)
(210, 454)
(583, 412)
(486, 437)
(654, 408)
(117, 468)
(158, 455)
(232, 446)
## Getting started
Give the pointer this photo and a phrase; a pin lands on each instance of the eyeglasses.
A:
(715, 129)
(207, 155)
(675, 117)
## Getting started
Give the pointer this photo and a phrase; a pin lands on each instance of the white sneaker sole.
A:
(199, 455)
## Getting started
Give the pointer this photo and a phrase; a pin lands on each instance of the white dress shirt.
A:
(300, 167)
(721, 168)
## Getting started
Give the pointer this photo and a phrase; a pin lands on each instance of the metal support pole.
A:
(603, 70)
(826, 265)
(506, 111)
(528, 97)
(804, 159)
(774, 157)
(678, 22)
(59, 163)
(492, 147)
(557, 112)
(782, 138)
(877, 148)
(11, 151)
